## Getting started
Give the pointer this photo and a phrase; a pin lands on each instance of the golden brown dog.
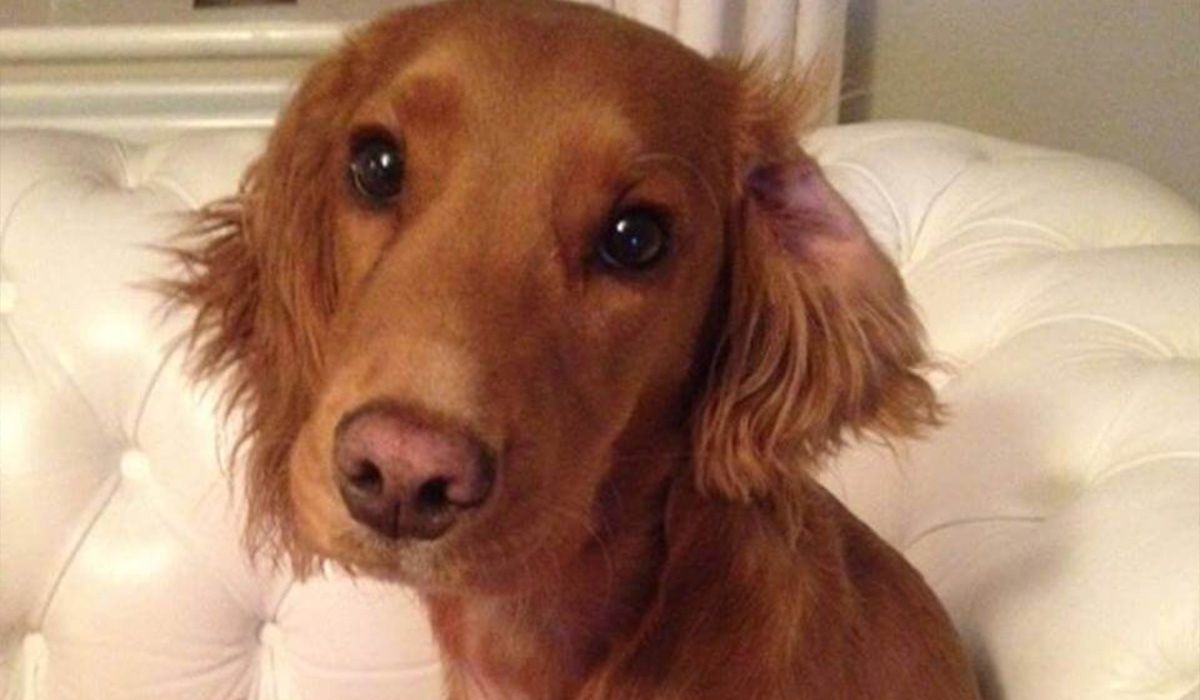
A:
(533, 309)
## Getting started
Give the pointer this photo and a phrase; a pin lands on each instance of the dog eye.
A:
(376, 168)
(636, 239)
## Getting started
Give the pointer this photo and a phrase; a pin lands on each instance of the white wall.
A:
(1112, 78)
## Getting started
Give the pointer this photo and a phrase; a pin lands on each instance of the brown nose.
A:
(405, 476)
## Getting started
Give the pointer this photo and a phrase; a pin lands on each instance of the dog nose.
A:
(407, 477)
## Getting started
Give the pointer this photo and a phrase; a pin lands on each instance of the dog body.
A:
(734, 610)
(533, 309)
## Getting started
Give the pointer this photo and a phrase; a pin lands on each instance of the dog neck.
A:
(546, 641)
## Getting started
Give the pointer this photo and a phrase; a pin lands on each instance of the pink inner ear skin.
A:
(810, 220)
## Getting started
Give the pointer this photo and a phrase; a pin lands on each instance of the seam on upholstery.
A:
(1091, 464)
(1066, 244)
(983, 158)
(914, 257)
(1005, 331)
(1010, 248)
(271, 674)
(173, 187)
(186, 537)
(1099, 475)
(135, 429)
(112, 431)
(1164, 351)
(112, 483)
(20, 200)
(289, 586)
(981, 146)
(7, 327)
(880, 190)
(919, 231)
(947, 365)
(422, 668)
(1118, 468)
(979, 520)
(995, 149)
(182, 534)
(905, 131)
(127, 179)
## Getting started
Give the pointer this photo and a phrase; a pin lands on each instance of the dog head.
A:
(505, 263)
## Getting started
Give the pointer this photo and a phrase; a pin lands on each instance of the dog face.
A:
(503, 263)
(524, 258)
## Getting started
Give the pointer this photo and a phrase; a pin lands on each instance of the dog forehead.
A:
(545, 29)
(571, 87)
(532, 50)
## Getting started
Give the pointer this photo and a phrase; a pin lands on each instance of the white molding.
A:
(144, 108)
(134, 80)
(187, 77)
(142, 129)
(148, 42)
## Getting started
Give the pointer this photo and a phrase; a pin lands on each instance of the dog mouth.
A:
(495, 550)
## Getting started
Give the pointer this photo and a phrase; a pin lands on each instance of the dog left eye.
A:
(376, 168)
(636, 240)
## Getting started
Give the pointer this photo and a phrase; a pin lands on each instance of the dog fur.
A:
(655, 531)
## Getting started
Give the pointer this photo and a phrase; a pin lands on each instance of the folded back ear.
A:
(819, 341)
(257, 272)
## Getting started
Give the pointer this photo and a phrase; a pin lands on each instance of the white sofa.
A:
(1057, 514)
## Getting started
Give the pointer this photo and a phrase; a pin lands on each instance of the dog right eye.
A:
(636, 240)
(376, 168)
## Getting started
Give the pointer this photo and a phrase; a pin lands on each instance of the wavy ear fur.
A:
(820, 340)
(257, 271)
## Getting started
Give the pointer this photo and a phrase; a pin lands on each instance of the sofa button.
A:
(34, 648)
(269, 635)
(135, 465)
(8, 297)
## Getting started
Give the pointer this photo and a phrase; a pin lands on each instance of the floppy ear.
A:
(819, 340)
(257, 270)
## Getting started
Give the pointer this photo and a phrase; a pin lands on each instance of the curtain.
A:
(794, 31)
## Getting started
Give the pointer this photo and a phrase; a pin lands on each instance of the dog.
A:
(533, 309)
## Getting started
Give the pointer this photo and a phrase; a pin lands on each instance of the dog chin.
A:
(438, 567)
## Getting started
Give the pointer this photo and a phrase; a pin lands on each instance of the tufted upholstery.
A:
(1057, 514)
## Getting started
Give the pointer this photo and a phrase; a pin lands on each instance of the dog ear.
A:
(257, 271)
(819, 340)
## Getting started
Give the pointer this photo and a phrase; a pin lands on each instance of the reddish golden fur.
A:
(655, 531)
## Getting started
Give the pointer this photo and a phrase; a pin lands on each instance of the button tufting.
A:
(135, 465)
(35, 644)
(1061, 488)
(270, 635)
(117, 332)
(8, 297)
